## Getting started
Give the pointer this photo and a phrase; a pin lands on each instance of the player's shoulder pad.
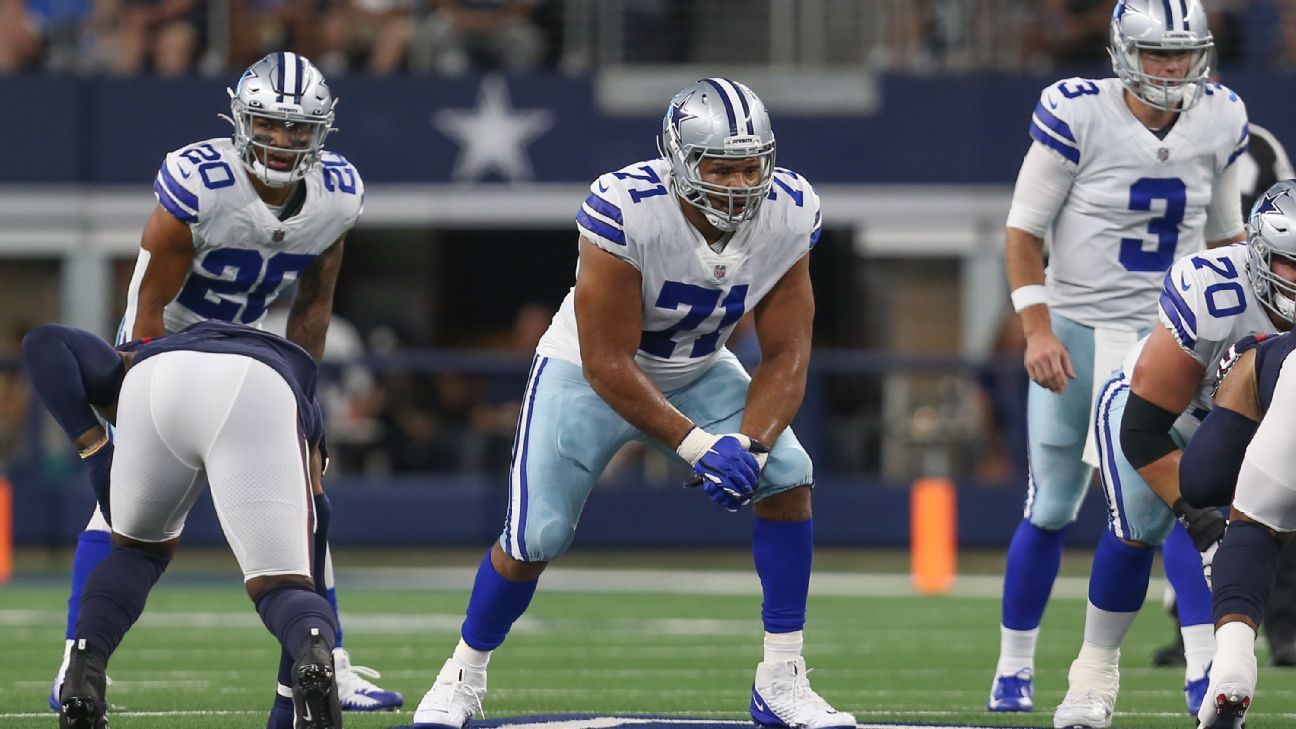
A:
(178, 183)
(1228, 115)
(1059, 118)
(798, 201)
(342, 180)
(1203, 293)
(602, 217)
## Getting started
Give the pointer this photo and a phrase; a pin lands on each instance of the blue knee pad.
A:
(1243, 571)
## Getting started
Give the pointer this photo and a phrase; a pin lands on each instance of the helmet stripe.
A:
(282, 65)
(1183, 5)
(733, 120)
(742, 99)
(301, 78)
(1169, 15)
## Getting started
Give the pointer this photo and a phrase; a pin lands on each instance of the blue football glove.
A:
(99, 466)
(723, 465)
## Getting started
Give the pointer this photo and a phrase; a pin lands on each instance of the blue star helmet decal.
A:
(1267, 204)
(1119, 10)
(678, 114)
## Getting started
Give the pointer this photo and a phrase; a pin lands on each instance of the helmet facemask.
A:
(1275, 293)
(725, 207)
(1136, 30)
(254, 138)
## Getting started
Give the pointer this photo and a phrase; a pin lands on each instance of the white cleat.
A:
(453, 699)
(356, 692)
(1091, 696)
(781, 697)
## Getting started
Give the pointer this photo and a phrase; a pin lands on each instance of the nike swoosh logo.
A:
(602, 187)
(1183, 282)
(306, 715)
(759, 705)
(1052, 103)
(184, 174)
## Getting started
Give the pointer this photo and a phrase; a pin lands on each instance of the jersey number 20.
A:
(1166, 228)
(257, 279)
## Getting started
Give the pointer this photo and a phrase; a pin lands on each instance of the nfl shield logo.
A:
(719, 272)
(278, 236)
(1163, 154)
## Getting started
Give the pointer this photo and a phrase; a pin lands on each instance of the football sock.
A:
(1183, 567)
(782, 647)
(1016, 651)
(290, 612)
(114, 597)
(1199, 649)
(1244, 570)
(469, 657)
(1033, 559)
(91, 548)
(783, 552)
(281, 711)
(496, 603)
(323, 560)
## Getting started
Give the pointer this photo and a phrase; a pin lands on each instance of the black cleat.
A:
(315, 696)
(81, 700)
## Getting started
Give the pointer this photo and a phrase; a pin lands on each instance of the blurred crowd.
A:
(380, 37)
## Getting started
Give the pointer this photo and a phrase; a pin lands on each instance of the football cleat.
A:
(82, 704)
(54, 703)
(354, 690)
(314, 692)
(1228, 711)
(453, 699)
(1091, 695)
(1195, 692)
(1014, 692)
(781, 697)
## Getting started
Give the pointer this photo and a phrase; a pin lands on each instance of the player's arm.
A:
(609, 325)
(1208, 469)
(784, 320)
(1043, 184)
(167, 250)
(1224, 214)
(312, 307)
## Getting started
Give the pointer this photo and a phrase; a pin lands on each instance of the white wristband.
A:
(1029, 295)
(695, 445)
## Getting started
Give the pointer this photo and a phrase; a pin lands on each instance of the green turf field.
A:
(200, 657)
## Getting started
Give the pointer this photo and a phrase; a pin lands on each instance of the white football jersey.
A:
(244, 256)
(1207, 303)
(692, 296)
(1137, 203)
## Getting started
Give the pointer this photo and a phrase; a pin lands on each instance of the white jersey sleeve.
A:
(1057, 124)
(1205, 302)
(345, 187)
(1231, 114)
(177, 185)
(601, 222)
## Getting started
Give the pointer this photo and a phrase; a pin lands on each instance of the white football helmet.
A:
(288, 91)
(1163, 25)
(718, 118)
(1271, 231)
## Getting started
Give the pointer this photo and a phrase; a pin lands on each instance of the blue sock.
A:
(114, 597)
(783, 552)
(1183, 567)
(1119, 580)
(281, 709)
(495, 604)
(1033, 559)
(290, 612)
(323, 515)
(91, 548)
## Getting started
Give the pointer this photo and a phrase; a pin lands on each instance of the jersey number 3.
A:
(701, 303)
(1172, 190)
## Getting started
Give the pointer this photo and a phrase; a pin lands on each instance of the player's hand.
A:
(1207, 558)
(1047, 362)
(99, 466)
(723, 464)
(1205, 526)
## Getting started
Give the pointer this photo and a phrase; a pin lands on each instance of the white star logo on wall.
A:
(492, 137)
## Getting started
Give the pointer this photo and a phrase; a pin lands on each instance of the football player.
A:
(216, 403)
(705, 233)
(1125, 175)
(239, 221)
(1243, 450)
(1145, 415)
